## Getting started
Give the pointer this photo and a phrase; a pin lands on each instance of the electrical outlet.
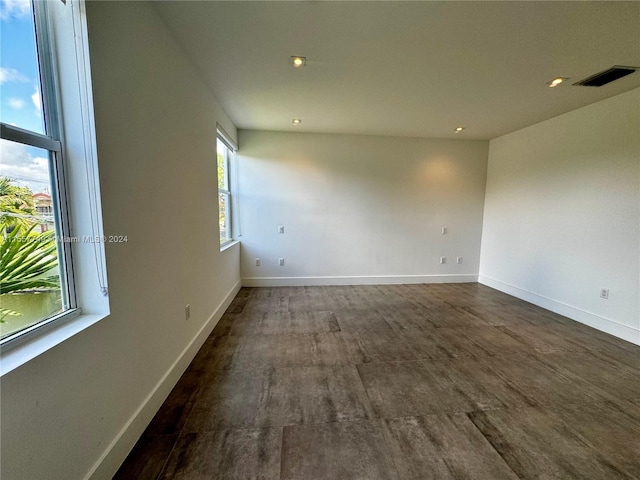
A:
(604, 293)
(459, 260)
(257, 262)
(187, 311)
(280, 228)
(281, 262)
(443, 260)
(445, 230)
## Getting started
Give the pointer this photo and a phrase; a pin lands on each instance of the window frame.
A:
(67, 48)
(52, 142)
(229, 155)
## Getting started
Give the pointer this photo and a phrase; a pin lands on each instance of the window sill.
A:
(14, 356)
(228, 245)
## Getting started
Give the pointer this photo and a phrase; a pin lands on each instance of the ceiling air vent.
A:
(606, 76)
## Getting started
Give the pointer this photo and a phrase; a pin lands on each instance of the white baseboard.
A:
(117, 451)
(598, 322)
(355, 280)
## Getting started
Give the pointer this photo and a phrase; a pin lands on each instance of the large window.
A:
(225, 157)
(35, 265)
(48, 181)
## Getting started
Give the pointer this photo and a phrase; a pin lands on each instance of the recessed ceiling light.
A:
(298, 62)
(556, 81)
(296, 121)
(459, 129)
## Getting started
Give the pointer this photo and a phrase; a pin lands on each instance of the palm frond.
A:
(25, 260)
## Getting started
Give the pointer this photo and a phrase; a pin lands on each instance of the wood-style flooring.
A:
(439, 381)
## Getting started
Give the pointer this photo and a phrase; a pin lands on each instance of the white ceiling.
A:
(405, 68)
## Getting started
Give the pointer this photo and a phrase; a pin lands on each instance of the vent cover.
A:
(606, 76)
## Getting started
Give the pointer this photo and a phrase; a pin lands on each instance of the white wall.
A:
(562, 214)
(359, 209)
(82, 405)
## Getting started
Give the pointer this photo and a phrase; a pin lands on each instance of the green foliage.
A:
(223, 198)
(15, 200)
(222, 172)
(5, 312)
(25, 259)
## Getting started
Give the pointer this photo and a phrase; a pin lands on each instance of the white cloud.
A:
(19, 164)
(14, 8)
(37, 101)
(16, 103)
(11, 75)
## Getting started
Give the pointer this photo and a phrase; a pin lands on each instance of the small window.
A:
(225, 157)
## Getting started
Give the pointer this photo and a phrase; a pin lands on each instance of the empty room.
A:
(319, 240)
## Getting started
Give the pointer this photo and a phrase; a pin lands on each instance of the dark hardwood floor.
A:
(439, 381)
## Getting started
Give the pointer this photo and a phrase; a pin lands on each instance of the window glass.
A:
(223, 216)
(20, 92)
(30, 284)
(224, 194)
(223, 177)
(33, 250)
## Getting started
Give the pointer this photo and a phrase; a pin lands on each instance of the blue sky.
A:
(19, 74)
(20, 95)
